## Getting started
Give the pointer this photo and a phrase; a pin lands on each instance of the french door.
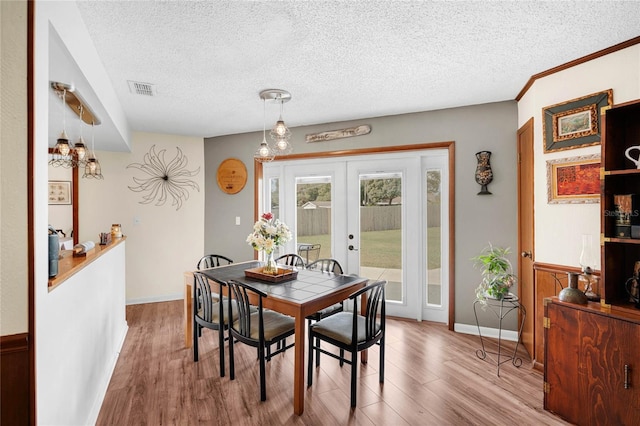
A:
(381, 216)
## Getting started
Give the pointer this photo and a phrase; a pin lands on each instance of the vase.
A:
(572, 293)
(270, 266)
(484, 174)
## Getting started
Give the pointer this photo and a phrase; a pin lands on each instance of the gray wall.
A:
(478, 219)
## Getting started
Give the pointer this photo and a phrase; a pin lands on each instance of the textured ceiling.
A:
(340, 60)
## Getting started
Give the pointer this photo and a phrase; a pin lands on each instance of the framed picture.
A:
(59, 192)
(574, 180)
(575, 123)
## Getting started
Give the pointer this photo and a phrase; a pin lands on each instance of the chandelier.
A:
(280, 133)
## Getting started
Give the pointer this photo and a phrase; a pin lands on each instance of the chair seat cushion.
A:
(275, 324)
(215, 311)
(340, 327)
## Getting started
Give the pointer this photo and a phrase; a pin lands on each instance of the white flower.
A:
(268, 233)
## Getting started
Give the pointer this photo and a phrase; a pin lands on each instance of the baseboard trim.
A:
(155, 299)
(509, 335)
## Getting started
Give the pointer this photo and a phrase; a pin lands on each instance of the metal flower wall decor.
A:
(165, 179)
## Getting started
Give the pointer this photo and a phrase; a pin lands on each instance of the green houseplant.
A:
(497, 273)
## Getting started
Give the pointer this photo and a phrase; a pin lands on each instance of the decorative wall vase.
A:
(484, 174)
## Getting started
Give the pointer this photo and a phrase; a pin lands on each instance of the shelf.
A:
(622, 240)
(622, 172)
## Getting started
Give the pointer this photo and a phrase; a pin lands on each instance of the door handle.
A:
(526, 254)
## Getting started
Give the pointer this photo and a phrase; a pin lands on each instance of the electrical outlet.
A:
(237, 220)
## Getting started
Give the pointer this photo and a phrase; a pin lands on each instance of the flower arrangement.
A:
(497, 273)
(268, 234)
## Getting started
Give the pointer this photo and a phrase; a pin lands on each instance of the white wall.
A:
(559, 227)
(162, 242)
(13, 165)
(80, 332)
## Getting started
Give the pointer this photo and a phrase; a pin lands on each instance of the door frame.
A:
(449, 145)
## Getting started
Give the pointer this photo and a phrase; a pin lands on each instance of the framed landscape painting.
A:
(574, 180)
(575, 123)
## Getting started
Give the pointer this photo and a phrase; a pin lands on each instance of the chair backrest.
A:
(213, 261)
(239, 293)
(375, 309)
(309, 252)
(204, 289)
(326, 265)
(291, 259)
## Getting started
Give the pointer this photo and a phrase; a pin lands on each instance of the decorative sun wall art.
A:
(164, 179)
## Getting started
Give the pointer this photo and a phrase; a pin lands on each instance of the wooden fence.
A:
(372, 218)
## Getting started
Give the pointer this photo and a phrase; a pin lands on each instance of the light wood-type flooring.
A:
(432, 377)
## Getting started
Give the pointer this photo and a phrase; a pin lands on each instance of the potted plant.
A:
(497, 273)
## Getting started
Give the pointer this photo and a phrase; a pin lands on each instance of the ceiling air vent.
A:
(139, 88)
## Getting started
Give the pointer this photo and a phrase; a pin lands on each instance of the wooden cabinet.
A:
(592, 352)
(620, 176)
(592, 368)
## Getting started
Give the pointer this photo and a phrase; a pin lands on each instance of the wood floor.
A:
(432, 377)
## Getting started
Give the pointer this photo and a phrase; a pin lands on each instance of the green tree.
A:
(377, 191)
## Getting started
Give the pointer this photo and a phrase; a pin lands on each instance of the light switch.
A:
(237, 220)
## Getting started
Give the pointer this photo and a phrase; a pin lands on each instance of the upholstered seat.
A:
(259, 329)
(368, 329)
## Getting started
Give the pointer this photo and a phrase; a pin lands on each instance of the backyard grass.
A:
(381, 249)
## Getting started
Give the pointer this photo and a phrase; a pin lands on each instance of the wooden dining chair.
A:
(209, 312)
(291, 259)
(352, 332)
(213, 261)
(259, 329)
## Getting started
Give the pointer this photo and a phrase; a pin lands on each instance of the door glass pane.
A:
(381, 231)
(274, 197)
(434, 247)
(313, 217)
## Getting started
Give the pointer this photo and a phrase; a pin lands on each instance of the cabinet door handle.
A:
(627, 385)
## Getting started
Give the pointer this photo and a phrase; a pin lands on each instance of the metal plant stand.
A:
(501, 308)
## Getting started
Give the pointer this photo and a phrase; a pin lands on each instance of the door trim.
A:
(449, 145)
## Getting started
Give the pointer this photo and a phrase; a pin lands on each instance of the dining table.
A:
(309, 292)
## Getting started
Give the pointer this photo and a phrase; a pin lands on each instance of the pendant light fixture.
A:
(264, 154)
(280, 133)
(64, 153)
(61, 156)
(92, 169)
(80, 149)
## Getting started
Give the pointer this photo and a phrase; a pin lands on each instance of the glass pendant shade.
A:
(264, 154)
(80, 151)
(61, 156)
(92, 169)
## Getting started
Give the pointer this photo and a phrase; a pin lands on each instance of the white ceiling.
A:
(341, 60)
